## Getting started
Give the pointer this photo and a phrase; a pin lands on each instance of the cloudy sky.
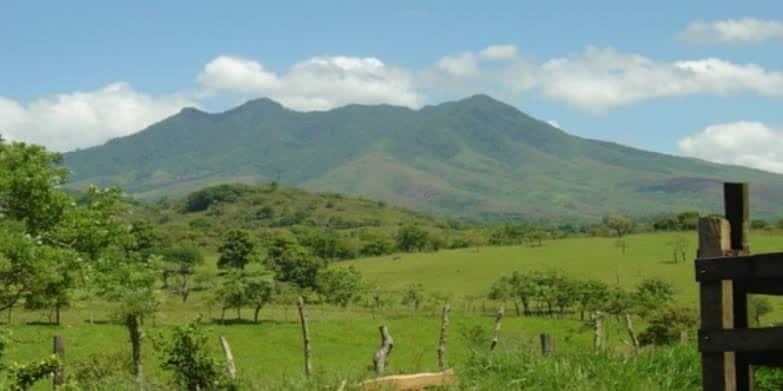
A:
(696, 78)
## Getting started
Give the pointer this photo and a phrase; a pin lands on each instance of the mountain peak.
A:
(260, 103)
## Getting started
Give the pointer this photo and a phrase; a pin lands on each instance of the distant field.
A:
(472, 271)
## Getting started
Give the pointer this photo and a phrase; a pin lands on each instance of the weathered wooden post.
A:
(724, 303)
(598, 330)
(498, 318)
(444, 325)
(380, 357)
(631, 333)
(305, 336)
(231, 369)
(546, 344)
(58, 349)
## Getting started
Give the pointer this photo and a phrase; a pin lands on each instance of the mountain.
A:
(476, 158)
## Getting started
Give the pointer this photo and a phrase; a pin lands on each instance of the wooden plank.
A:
(767, 359)
(417, 381)
(745, 267)
(741, 340)
(765, 287)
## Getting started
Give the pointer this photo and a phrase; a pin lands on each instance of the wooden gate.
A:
(727, 274)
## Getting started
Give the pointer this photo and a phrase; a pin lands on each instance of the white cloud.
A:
(499, 52)
(554, 123)
(82, 119)
(752, 144)
(733, 31)
(600, 79)
(460, 66)
(318, 83)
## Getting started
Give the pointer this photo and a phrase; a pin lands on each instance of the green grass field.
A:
(472, 271)
(269, 354)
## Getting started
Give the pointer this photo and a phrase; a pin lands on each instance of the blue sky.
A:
(699, 78)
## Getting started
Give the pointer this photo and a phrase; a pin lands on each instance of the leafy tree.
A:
(653, 293)
(759, 224)
(144, 237)
(29, 177)
(618, 301)
(231, 293)
(687, 221)
(297, 266)
(376, 247)
(237, 250)
(328, 245)
(339, 285)
(621, 225)
(590, 295)
(180, 262)
(759, 306)
(412, 238)
(259, 288)
(524, 288)
(187, 355)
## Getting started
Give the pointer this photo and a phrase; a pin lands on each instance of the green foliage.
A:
(203, 199)
(666, 324)
(187, 357)
(619, 224)
(23, 376)
(328, 245)
(652, 294)
(29, 177)
(238, 249)
(339, 285)
(296, 265)
(412, 238)
(413, 295)
(759, 306)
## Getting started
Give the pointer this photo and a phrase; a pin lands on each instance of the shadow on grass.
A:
(229, 322)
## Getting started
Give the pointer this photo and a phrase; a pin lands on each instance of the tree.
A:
(653, 293)
(237, 250)
(231, 293)
(524, 288)
(297, 266)
(621, 225)
(679, 247)
(590, 295)
(180, 262)
(759, 306)
(259, 288)
(339, 285)
(412, 238)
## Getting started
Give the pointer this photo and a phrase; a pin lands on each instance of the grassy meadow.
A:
(269, 354)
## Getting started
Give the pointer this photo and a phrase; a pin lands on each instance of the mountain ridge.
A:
(475, 158)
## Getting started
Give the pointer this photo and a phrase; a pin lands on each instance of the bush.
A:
(186, 355)
(203, 199)
(666, 325)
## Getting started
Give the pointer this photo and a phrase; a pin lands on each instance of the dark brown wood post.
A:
(59, 351)
(716, 305)
(737, 208)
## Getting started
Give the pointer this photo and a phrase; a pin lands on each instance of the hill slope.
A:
(476, 158)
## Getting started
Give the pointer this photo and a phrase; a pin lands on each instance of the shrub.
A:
(203, 199)
(665, 325)
(186, 355)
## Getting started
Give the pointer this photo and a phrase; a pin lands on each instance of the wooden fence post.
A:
(631, 333)
(58, 349)
(498, 318)
(546, 344)
(716, 305)
(230, 367)
(444, 325)
(598, 330)
(380, 357)
(737, 209)
(306, 336)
